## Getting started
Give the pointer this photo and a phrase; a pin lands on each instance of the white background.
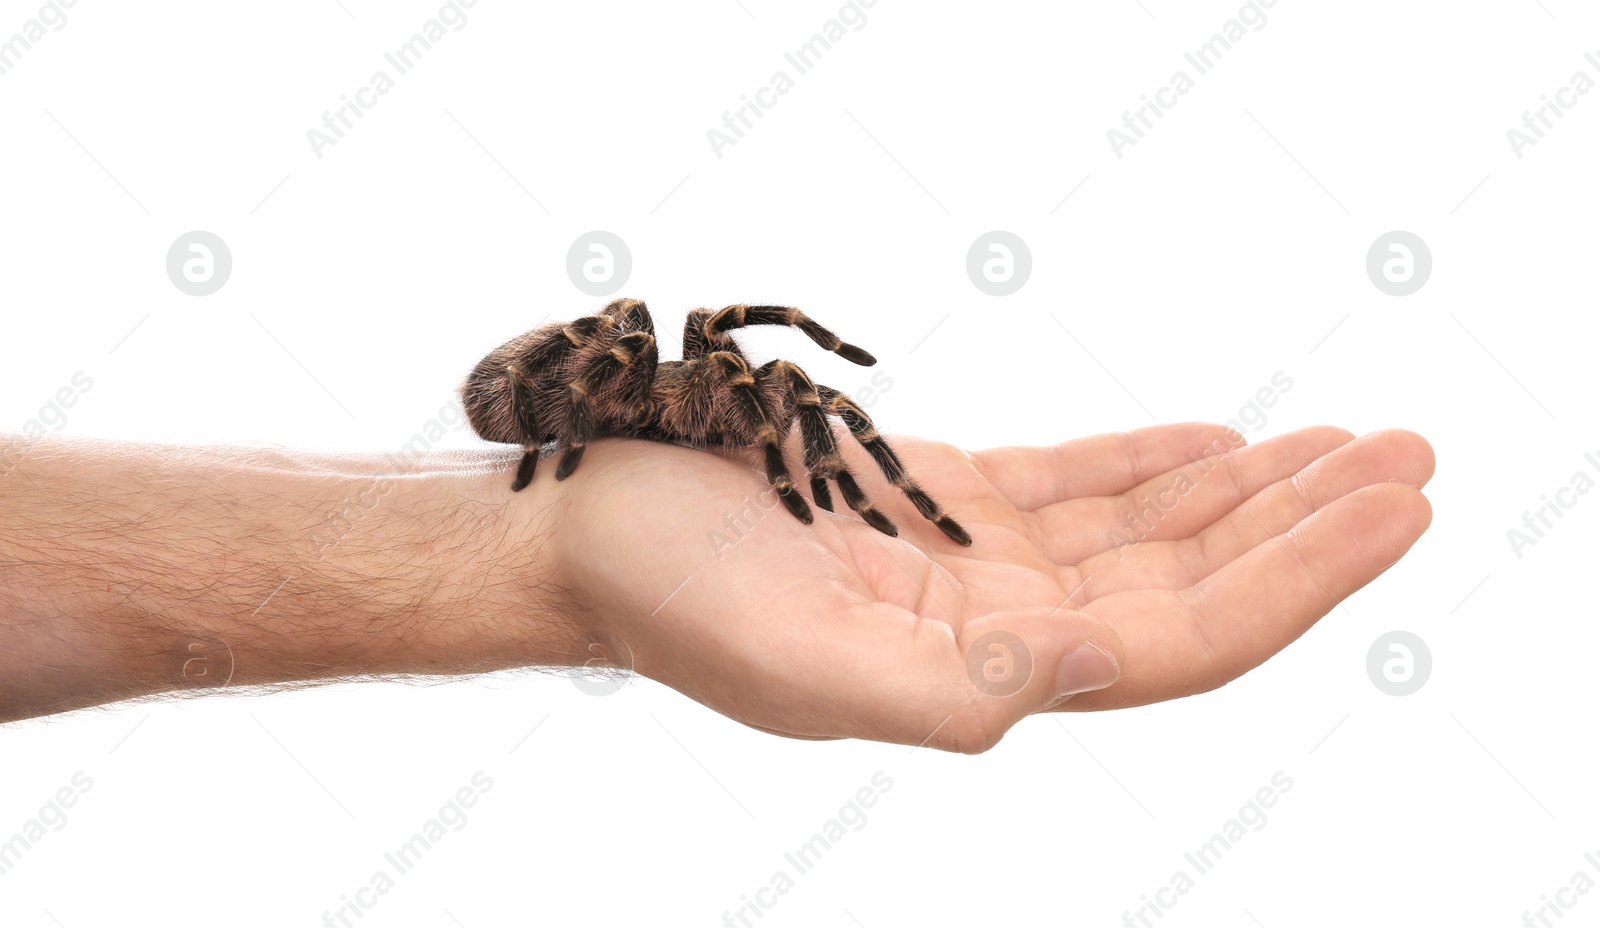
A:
(1226, 246)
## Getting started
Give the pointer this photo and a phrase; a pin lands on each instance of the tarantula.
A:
(568, 382)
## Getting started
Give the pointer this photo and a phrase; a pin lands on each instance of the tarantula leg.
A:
(527, 426)
(519, 374)
(632, 318)
(821, 451)
(823, 459)
(736, 375)
(741, 315)
(861, 427)
(579, 331)
(631, 315)
(820, 493)
(857, 500)
(640, 376)
(580, 414)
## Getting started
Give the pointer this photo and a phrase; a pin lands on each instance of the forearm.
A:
(128, 570)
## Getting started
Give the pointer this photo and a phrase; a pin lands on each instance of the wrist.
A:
(497, 596)
(433, 567)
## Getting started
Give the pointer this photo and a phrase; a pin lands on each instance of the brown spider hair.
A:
(600, 375)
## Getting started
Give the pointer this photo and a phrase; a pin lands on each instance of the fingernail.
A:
(1087, 667)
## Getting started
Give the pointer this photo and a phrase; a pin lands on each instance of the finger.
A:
(1181, 501)
(1099, 465)
(1393, 455)
(1019, 662)
(1188, 641)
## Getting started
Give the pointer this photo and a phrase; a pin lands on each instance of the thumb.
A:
(1019, 662)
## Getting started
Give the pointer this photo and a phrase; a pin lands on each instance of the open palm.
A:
(1183, 556)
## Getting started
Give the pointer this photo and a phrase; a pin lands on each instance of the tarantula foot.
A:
(855, 355)
(955, 532)
(820, 494)
(880, 522)
(569, 462)
(796, 503)
(530, 459)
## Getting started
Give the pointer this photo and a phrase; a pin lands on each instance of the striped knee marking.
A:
(857, 500)
(578, 332)
(632, 345)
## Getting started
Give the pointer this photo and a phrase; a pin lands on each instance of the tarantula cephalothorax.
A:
(568, 382)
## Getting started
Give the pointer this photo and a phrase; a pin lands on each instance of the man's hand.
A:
(1104, 572)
